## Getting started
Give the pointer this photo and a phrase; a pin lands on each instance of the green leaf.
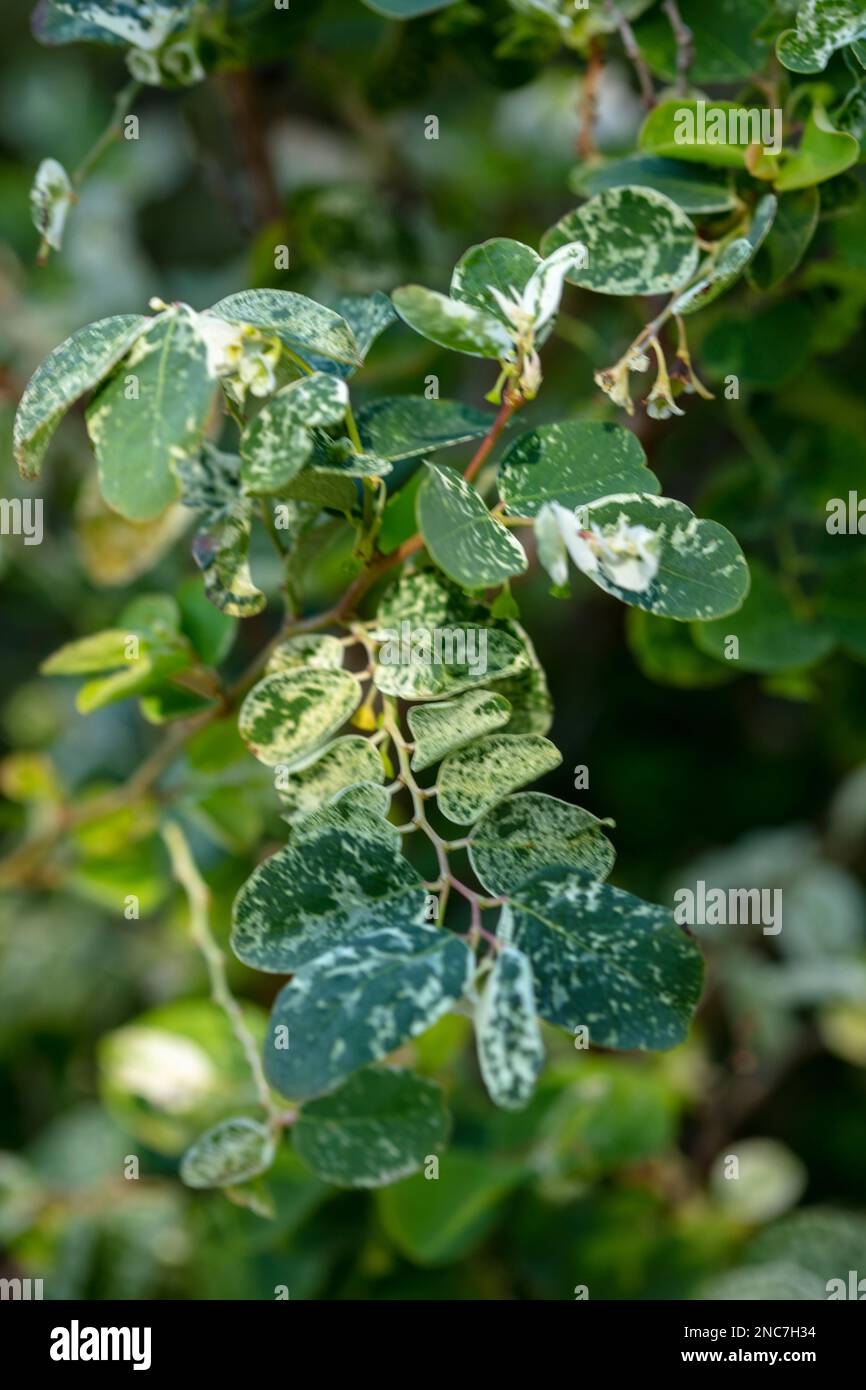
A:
(410, 667)
(404, 427)
(824, 152)
(320, 892)
(638, 242)
(316, 649)
(380, 1126)
(500, 263)
(527, 691)
(221, 551)
(76, 366)
(138, 441)
(211, 632)
(368, 315)
(364, 807)
(299, 322)
(442, 728)
(789, 238)
(718, 276)
(233, 1151)
(771, 634)
(406, 9)
(469, 544)
(666, 652)
(288, 715)
(574, 462)
(277, 443)
(605, 960)
(436, 1223)
(109, 21)
(510, 1050)
(823, 26)
(358, 1002)
(727, 46)
(338, 765)
(475, 778)
(451, 323)
(693, 190)
(426, 599)
(530, 831)
(687, 130)
(702, 572)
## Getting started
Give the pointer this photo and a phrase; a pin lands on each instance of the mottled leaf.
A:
(76, 366)
(232, 1152)
(443, 728)
(500, 264)
(339, 764)
(297, 321)
(309, 649)
(530, 831)
(510, 1049)
(368, 315)
(527, 691)
(469, 544)
(694, 190)
(358, 1002)
(466, 657)
(288, 715)
(378, 1127)
(451, 323)
(638, 242)
(321, 891)
(604, 960)
(473, 779)
(823, 26)
(574, 462)
(277, 443)
(363, 807)
(718, 275)
(404, 427)
(221, 552)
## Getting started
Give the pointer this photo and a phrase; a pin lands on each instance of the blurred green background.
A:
(613, 1179)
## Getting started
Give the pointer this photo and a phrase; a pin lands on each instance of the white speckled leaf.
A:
(76, 366)
(451, 323)
(338, 765)
(638, 242)
(719, 275)
(823, 26)
(500, 263)
(232, 1152)
(527, 690)
(475, 778)
(604, 959)
(277, 443)
(320, 891)
(426, 599)
(694, 190)
(404, 427)
(443, 728)
(363, 807)
(286, 716)
(139, 441)
(530, 831)
(297, 321)
(368, 315)
(495, 653)
(359, 1002)
(142, 23)
(221, 551)
(316, 649)
(510, 1050)
(571, 463)
(702, 572)
(378, 1127)
(469, 544)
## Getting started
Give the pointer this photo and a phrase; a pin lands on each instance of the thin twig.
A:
(633, 53)
(685, 42)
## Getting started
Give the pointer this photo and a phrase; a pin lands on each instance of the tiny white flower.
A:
(144, 67)
(552, 554)
(224, 343)
(626, 553)
(181, 61)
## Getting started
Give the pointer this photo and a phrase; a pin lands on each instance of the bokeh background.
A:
(614, 1177)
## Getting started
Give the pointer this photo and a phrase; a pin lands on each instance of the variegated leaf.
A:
(443, 728)
(221, 551)
(464, 539)
(426, 599)
(719, 275)
(530, 831)
(288, 715)
(823, 26)
(498, 264)
(368, 315)
(277, 443)
(76, 366)
(378, 1127)
(510, 1050)
(638, 242)
(571, 463)
(410, 667)
(701, 571)
(604, 959)
(475, 778)
(317, 649)
(363, 807)
(320, 891)
(140, 436)
(297, 321)
(405, 427)
(451, 323)
(358, 1002)
(142, 24)
(232, 1152)
(527, 691)
(338, 765)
